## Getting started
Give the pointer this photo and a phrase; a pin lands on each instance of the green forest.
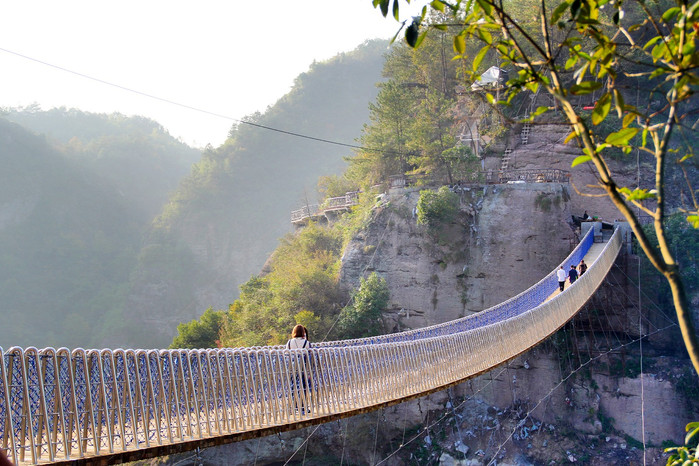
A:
(72, 225)
(114, 232)
(414, 123)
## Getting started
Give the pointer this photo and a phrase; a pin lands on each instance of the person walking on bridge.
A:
(561, 274)
(572, 274)
(582, 268)
(300, 381)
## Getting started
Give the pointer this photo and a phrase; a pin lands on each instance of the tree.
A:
(435, 208)
(387, 136)
(202, 333)
(299, 286)
(583, 46)
(363, 317)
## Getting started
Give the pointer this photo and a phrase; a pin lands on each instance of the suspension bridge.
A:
(59, 406)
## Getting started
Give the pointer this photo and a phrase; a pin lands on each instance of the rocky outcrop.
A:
(505, 239)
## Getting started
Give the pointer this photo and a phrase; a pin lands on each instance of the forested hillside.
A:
(226, 217)
(134, 155)
(94, 254)
(70, 231)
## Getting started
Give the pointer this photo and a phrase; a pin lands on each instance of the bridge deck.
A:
(592, 254)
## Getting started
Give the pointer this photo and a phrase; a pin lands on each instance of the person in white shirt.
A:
(562, 275)
(299, 338)
(298, 341)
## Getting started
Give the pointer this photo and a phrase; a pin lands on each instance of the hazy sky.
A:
(230, 57)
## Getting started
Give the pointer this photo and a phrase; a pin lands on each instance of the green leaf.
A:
(585, 87)
(688, 156)
(601, 109)
(621, 137)
(580, 159)
(479, 56)
(670, 13)
(558, 12)
(384, 7)
(628, 119)
(637, 194)
(570, 137)
(437, 5)
(486, 6)
(651, 42)
(694, 221)
(574, 8)
(572, 60)
(396, 15)
(411, 34)
(397, 33)
(658, 51)
(420, 38)
(484, 35)
(539, 111)
(460, 44)
(692, 429)
(619, 103)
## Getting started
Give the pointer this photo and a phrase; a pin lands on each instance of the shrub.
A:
(435, 208)
(363, 317)
(202, 333)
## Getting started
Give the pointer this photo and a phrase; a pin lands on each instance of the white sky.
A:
(229, 57)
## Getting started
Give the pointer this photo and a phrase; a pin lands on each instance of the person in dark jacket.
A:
(582, 268)
(572, 274)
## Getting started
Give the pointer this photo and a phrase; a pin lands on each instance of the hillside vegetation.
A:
(413, 129)
(70, 231)
(103, 246)
(226, 217)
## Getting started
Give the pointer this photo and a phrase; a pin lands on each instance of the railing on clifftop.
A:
(331, 204)
(534, 175)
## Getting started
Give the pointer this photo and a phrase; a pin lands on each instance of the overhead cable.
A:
(196, 109)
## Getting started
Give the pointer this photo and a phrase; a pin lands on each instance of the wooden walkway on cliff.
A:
(344, 203)
(330, 205)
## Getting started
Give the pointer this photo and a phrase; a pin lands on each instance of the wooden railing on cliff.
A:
(331, 204)
(534, 175)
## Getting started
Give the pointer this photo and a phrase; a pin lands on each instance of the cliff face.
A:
(583, 393)
(506, 238)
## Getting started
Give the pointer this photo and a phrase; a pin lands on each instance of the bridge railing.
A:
(524, 301)
(61, 404)
(331, 204)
